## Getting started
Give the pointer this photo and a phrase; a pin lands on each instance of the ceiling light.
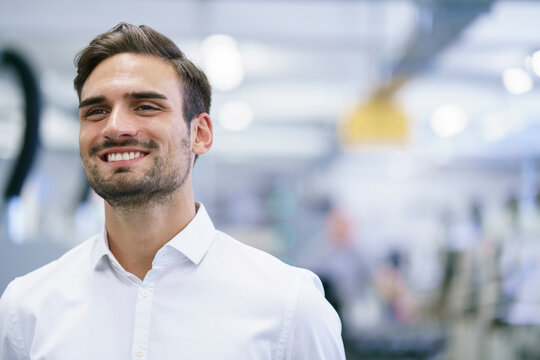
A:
(448, 120)
(222, 62)
(517, 81)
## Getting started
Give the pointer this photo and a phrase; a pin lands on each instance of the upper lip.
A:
(121, 150)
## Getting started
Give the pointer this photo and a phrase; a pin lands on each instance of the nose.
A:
(119, 124)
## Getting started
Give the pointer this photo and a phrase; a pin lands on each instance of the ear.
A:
(202, 134)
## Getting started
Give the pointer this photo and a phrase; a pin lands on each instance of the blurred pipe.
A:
(440, 24)
(32, 110)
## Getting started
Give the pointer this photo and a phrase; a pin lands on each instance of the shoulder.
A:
(255, 263)
(315, 328)
(10, 344)
(55, 274)
(237, 264)
(29, 296)
(310, 328)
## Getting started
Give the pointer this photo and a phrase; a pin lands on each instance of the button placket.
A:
(141, 330)
(145, 292)
(139, 352)
(143, 311)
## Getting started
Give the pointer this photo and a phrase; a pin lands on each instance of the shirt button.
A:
(139, 352)
(145, 292)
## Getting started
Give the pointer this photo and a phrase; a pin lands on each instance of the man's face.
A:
(134, 142)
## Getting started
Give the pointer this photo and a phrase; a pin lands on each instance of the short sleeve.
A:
(9, 337)
(316, 329)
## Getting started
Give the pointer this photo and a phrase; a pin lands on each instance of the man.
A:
(160, 282)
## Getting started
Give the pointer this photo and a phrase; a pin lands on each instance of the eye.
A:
(146, 107)
(95, 113)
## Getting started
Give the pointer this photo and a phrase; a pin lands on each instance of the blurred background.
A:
(389, 146)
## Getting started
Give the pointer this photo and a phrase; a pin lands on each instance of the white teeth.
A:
(123, 156)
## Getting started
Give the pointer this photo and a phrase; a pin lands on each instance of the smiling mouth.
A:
(122, 156)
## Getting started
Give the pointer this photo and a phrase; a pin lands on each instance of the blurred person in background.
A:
(160, 282)
(399, 303)
(345, 273)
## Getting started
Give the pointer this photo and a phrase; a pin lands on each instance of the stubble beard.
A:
(125, 190)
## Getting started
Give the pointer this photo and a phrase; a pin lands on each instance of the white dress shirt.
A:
(207, 296)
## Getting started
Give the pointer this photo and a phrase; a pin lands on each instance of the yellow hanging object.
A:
(379, 121)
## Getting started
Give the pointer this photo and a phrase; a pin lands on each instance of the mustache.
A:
(107, 144)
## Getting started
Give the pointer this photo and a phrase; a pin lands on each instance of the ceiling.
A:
(306, 63)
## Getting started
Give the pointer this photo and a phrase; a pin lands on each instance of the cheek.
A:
(177, 138)
(83, 141)
(86, 136)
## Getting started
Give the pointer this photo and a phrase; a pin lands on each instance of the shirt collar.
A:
(101, 250)
(196, 238)
(192, 242)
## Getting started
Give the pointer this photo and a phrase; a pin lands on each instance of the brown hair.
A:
(127, 38)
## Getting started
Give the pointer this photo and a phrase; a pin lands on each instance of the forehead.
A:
(131, 72)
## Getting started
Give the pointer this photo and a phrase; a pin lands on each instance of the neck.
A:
(136, 234)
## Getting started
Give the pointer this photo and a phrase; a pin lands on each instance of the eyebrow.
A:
(146, 95)
(135, 95)
(91, 101)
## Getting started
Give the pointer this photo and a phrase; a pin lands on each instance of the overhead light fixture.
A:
(448, 120)
(517, 81)
(222, 62)
(235, 116)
